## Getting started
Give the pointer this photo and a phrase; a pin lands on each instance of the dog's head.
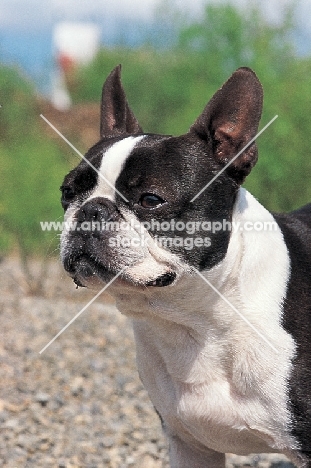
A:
(129, 204)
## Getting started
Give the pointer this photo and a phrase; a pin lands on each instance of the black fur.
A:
(296, 228)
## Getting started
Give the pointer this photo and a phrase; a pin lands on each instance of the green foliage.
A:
(31, 170)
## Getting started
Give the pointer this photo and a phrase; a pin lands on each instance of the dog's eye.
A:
(149, 200)
(67, 196)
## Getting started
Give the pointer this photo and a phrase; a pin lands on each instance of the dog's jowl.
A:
(218, 288)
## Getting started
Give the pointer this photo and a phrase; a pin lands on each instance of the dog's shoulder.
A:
(296, 229)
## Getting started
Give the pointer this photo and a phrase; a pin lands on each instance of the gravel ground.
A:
(80, 403)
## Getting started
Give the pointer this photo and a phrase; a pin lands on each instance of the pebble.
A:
(79, 404)
(42, 398)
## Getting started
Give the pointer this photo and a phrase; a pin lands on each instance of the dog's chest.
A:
(221, 419)
(211, 397)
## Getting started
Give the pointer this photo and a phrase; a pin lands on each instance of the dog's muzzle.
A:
(89, 255)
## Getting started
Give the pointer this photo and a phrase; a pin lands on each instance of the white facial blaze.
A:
(111, 166)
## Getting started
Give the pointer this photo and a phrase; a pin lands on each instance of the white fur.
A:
(112, 162)
(217, 385)
(111, 165)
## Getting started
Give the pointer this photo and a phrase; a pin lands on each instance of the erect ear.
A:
(230, 120)
(116, 117)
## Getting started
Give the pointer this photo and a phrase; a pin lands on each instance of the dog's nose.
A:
(97, 210)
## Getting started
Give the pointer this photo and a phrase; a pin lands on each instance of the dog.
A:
(221, 316)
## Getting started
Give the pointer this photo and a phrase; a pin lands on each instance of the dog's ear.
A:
(116, 118)
(230, 120)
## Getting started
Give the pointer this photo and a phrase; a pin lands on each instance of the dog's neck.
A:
(249, 277)
(250, 281)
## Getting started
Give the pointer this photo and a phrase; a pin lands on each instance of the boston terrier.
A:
(217, 287)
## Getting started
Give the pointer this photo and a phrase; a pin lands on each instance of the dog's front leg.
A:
(184, 456)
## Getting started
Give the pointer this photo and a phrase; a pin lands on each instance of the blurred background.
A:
(55, 55)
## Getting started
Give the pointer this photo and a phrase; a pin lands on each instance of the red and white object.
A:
(74, 43)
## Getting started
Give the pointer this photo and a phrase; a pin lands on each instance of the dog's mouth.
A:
(164, 280)
(85, 270)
